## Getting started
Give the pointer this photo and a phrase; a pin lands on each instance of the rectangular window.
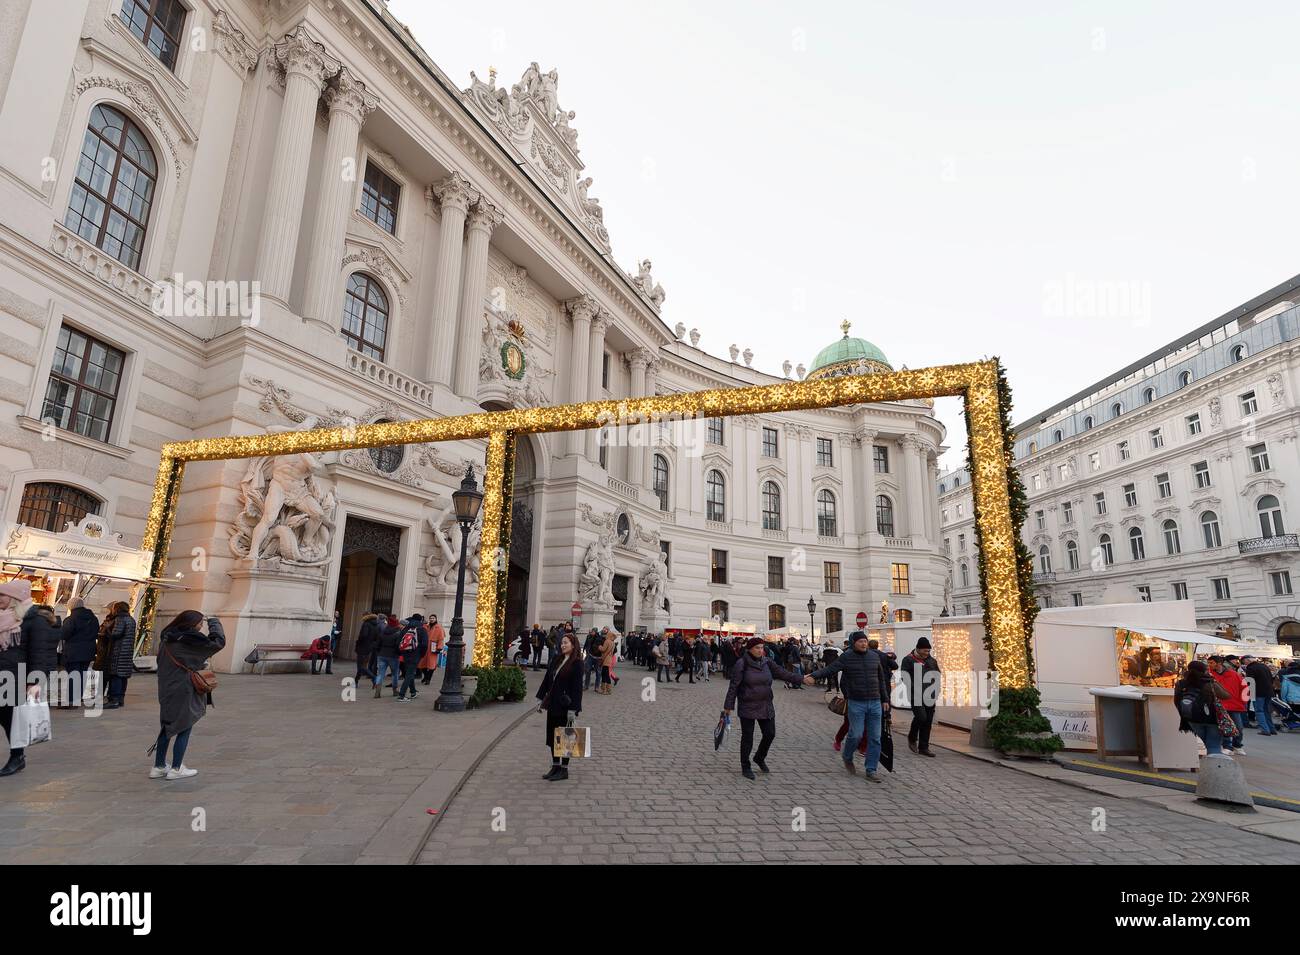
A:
(1221, 589)
(1038, 482)
(604, 371)
(826, 452)
(1249, 405)
(1094, 461)
(714, 435)
(1281, 582)
(1180, 590)
(81, 395)
(776, 573)
(831, 577)
(961, 543)
(899, 579)
(666, 549)
(1201, 472)
(770, 446)
(944, 515)
(880, 458)
(1076, 598)
(1157, 439)
(1099, 500)
(1130, 495)
(1063, 472)
(961, 509)
(1163, 488)
(1193, 424)
(1145, 593)
(1258, 457)
(157, 24)
(1041, 520)
(1123, 450)
(1067, 512)
(718, 566)
(379, 197)
(604, 455)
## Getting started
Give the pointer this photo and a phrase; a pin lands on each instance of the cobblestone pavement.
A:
(656, 792)
(288, 772)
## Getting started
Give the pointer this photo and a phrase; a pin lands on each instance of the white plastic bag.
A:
(94, 682)
(31, 723)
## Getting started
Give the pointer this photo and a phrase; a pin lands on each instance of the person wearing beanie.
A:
(919, 672)
(750, 694)
(866, 692)
(412, 644)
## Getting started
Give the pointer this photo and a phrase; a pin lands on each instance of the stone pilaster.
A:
(914, 452)
(867, 467)
(581, 311)
(595, 364)
(484, 217)
(454, 195)
(638, 361)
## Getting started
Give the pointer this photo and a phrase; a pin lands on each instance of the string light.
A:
(977, 382)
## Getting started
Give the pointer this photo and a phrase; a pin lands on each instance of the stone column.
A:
(349, 102)
(931, 508)
(639, 360)
(454, 195)
(483, 218)
(866, 441)
(595, 363)
(914, 452)
(647, 476)
(581, 311)
(306, 66)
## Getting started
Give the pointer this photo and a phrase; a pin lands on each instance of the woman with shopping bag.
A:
(13, 659)
(184, 688)
(560, 694)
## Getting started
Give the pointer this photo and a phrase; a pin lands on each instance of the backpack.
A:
(1195, 705)
(409, 641)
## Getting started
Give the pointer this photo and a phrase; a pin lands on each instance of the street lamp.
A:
(812, 619)
(466, 501)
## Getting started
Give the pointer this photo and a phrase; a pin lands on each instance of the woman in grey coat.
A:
(119, 627)
(182, 647)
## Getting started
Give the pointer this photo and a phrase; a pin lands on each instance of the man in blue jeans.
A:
(865, 684)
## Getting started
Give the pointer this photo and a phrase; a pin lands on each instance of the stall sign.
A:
(1073, 726)
(87, 549)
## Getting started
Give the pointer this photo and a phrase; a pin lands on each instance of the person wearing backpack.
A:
(1194, 697)
(411, 645)
(386, 655)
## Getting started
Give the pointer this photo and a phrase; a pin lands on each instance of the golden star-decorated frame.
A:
(976, 383)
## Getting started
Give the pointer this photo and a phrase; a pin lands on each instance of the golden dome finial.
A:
(844, 327)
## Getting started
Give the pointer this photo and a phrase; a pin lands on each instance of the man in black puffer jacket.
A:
(864, 681)
(80, 631)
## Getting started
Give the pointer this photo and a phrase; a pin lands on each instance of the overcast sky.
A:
(1068, 186)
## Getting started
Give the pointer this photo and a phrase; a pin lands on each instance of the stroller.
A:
(1285, 707)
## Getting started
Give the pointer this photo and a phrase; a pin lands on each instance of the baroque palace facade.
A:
(1176, 476)
(236, 218)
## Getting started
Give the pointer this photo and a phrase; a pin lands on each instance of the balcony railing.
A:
(775, 535)
(896, 542)
(624, 489)
(389, 378)
(1047, 578)
(1279, 543)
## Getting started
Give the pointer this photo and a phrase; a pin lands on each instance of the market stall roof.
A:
(1273, 651)
(1185, 636)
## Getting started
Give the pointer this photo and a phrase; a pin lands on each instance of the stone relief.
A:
(1276, 389)
(652, 289)
(504, 337)
(443, 565)
(654, 582)
(596, 581)
(1216, 413)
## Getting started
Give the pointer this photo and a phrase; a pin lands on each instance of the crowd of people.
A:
(1220, 698)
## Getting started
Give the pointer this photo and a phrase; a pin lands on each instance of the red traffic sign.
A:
(576, 609)
(862, 619)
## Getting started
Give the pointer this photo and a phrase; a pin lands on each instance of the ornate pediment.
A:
(1165, 512)
(375, 258)
(1204, 502)
(1133, 520)
(1266, 485)
(1069, 535)
(149, 103)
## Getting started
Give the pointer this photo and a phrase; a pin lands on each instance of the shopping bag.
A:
(31, 723)
(94, 683)
(886, 746)
(720, 731)
(572, 742)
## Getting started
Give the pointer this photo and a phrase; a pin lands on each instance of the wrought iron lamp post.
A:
(466, 501)
(812, 619)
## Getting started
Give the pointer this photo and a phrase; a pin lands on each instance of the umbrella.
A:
(720, 731)
(886, 745)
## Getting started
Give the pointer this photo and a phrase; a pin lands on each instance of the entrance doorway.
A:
(367, 576)
(620, 602)
(521, 541)
(1289, 634)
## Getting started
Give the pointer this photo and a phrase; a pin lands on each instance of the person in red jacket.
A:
(318, 651)
(1235, 704)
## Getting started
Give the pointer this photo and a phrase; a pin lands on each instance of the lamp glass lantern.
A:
(467, 499)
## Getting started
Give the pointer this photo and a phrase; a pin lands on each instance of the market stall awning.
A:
(1184, 636)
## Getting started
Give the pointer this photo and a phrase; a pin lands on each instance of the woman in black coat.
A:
(41, 634)
(561, 693)
(750, 694)
(13, 660)
(182, 647)
(120, 662)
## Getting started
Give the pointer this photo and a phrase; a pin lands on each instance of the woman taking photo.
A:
(183, 649)
(119, 627)
(560, 693)
(750, 694)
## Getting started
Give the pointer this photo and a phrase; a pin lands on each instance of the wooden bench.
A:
(265, 651)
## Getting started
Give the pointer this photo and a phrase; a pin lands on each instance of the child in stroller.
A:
(1285, 707)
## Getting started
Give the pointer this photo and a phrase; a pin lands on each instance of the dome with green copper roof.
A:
(848, 356)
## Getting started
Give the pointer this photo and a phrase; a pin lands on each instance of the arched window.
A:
(1117, 409)
(1033, 447)
(1148, 395)
(834, 620)
(1210, 529)
(114, 186)
(365, 316)
(1044, 560)
(827, 523)
(943, 489)
(1237, 354)
(1270, 516)
(1071, 555)
(965, 574)
(1057, 436)
(388, 458)
(884, 516)
(771, 506)
(718, 610)
(1135, 544)
(1172, 543)
(661, 480)
(51, 507)
(775, 617)
(1184, 379)
(715, 504)
(1107, 552)
(1087, 422)
(956, 482)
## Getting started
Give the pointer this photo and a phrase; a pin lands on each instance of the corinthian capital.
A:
(485, 216)
(349, 95)
(298, 53)
(583, 308)
(455, 192)
(641, 356)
